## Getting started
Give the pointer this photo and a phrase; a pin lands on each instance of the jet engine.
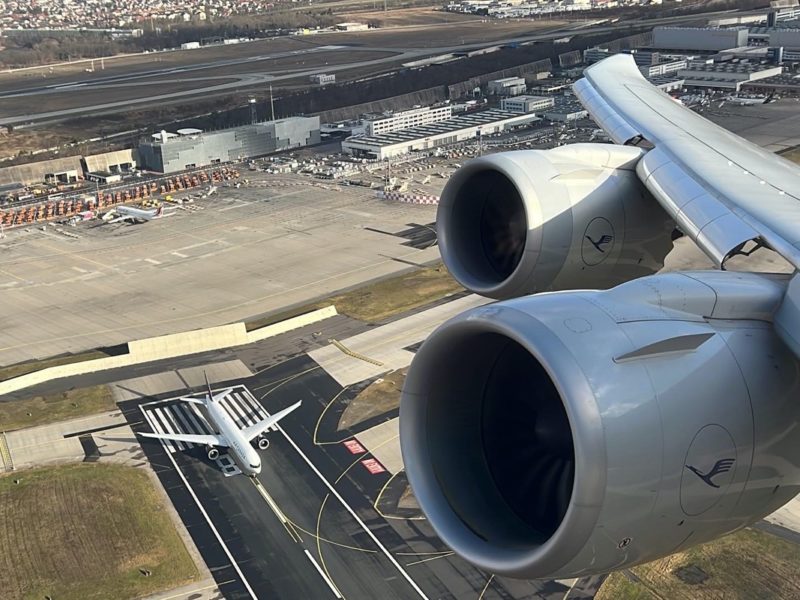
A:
(573, 217)
(575, 433)
(263, 443)
(213, 454)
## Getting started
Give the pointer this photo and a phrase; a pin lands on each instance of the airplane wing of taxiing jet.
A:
(202, 440)
(626, 414)
(257, 429)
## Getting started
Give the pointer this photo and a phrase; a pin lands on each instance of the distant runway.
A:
(375, 51)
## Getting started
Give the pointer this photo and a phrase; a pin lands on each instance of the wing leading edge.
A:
(258, 428)
(721, 189)
(201, 440)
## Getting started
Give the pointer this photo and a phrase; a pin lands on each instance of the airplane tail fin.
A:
(212, 397)
(208, 387)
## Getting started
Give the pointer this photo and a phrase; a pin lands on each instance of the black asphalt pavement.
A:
(312, 530)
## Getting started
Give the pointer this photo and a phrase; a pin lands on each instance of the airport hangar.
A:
(190, 148)
(428, 137)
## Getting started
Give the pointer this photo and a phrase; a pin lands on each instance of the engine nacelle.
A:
(577, 216)
(574, 433)
(213, 454)
(263, 443)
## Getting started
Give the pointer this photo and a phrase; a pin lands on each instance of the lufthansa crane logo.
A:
(598, 241)
(604, 239)
(721, 466)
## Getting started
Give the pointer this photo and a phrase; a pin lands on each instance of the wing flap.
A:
(751, 193)
(699, 214)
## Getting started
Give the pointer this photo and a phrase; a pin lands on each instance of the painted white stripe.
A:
(259, 408)
(255, 406)
(347, 507)
(208, 520)
(272, 504)
(235, 411)
(252, 416)
(196, 417)
(251, 401)
(322, 574)
(168, 426)
(184, 427)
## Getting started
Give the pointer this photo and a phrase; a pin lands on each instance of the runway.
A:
(308, 527)
(384, 49)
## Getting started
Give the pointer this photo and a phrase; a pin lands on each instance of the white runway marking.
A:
(347, 507)
(203, 511)
(322, 574)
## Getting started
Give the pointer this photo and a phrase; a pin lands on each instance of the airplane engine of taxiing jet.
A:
(577, 432)
(263, 443)
(573, 217)
(213, 454)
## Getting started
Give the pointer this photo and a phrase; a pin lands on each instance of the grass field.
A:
(380, 300)
(55, 407)
(376, 399)
(746, 565)
(83, 532)
(28, 367)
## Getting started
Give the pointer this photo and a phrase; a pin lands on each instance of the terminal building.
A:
(428, 137)
(191, 148)
(726, 76)
(380, 124)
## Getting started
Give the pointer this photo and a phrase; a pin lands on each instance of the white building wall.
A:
(526, 104)
(407, 119)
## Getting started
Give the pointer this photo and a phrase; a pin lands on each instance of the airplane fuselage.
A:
(240, 449)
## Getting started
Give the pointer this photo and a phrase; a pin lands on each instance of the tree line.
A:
(29, 48)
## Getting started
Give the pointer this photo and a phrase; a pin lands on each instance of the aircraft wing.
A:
(258, 428)
(201, 440)
(721, 190)
(120, 219)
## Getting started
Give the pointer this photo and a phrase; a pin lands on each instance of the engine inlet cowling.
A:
(575, 433)
(573, 217)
